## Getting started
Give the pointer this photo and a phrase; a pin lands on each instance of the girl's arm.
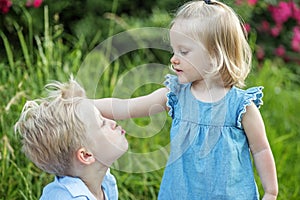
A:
(114, 108)
(263, 158)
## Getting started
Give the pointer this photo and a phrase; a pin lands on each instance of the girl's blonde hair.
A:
(50, 128)
(221, 31)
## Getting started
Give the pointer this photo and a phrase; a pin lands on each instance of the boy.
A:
(65, 135)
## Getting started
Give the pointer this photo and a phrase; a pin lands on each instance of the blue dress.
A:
(67, 188)
(210, 157)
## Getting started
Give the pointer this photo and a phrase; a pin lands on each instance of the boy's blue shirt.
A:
(68, 187)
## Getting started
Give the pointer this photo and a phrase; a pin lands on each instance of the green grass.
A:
(24, 78)
(281, 115)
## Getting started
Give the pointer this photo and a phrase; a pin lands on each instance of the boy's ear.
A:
(84, 156)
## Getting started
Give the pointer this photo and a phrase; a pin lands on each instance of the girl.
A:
(214, 122)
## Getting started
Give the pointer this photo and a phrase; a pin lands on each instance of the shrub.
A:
(276, 25)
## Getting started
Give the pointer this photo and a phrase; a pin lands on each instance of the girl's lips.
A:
(178, 71)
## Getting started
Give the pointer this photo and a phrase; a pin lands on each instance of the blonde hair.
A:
(50, 128)
(220, 29)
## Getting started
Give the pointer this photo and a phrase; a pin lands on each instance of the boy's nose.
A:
(112, 123)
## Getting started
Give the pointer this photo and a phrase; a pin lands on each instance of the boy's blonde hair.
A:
(50, 128)
(221, 31)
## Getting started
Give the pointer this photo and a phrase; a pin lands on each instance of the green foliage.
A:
(277, 27)
(91, 21)
(23, 78)
(281, 115)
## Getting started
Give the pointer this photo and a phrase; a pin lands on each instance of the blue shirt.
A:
(209, 157)
(67, 187)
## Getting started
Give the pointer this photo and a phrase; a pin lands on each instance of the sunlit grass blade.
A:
(8, 50)
(23, 44)
(30, 31)
(41, 51)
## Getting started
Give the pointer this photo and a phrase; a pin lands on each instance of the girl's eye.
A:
(183, 52)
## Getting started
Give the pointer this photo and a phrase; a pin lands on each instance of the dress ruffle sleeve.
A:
(254, 95)
(172, 84)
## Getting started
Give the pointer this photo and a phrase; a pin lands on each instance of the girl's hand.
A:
(269, 196)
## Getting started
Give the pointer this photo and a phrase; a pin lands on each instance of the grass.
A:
(24, 78)
(281, 105)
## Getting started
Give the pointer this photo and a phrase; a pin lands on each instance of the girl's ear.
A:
(84, 156)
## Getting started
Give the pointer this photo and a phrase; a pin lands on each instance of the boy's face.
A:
(105, 139)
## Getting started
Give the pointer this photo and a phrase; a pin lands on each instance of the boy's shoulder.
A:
(66, 188)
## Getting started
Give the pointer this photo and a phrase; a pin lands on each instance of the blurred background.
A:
(43, 40)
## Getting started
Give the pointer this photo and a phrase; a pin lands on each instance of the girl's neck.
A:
(209, 91)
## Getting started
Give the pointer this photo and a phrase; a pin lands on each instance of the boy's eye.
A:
(103, 123)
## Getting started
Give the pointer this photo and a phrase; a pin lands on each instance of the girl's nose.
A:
(174, 60)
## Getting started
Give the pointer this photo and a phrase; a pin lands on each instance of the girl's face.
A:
(105, 139)
(190, 59)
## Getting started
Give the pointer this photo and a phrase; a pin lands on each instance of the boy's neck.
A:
(93, 179)
(93, 176)
(100, 194)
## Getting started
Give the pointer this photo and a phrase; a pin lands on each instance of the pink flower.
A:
(247, 27)
(238, 2)
(252, 2)
(34, 3)
(296, 12)
(5, 5)
(275, 31)
(281, 13)
(295, 43)
(265, 26)
(297, 16)
(260, 53)
(280, 51)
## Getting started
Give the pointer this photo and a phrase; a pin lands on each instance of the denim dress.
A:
(209, 157)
